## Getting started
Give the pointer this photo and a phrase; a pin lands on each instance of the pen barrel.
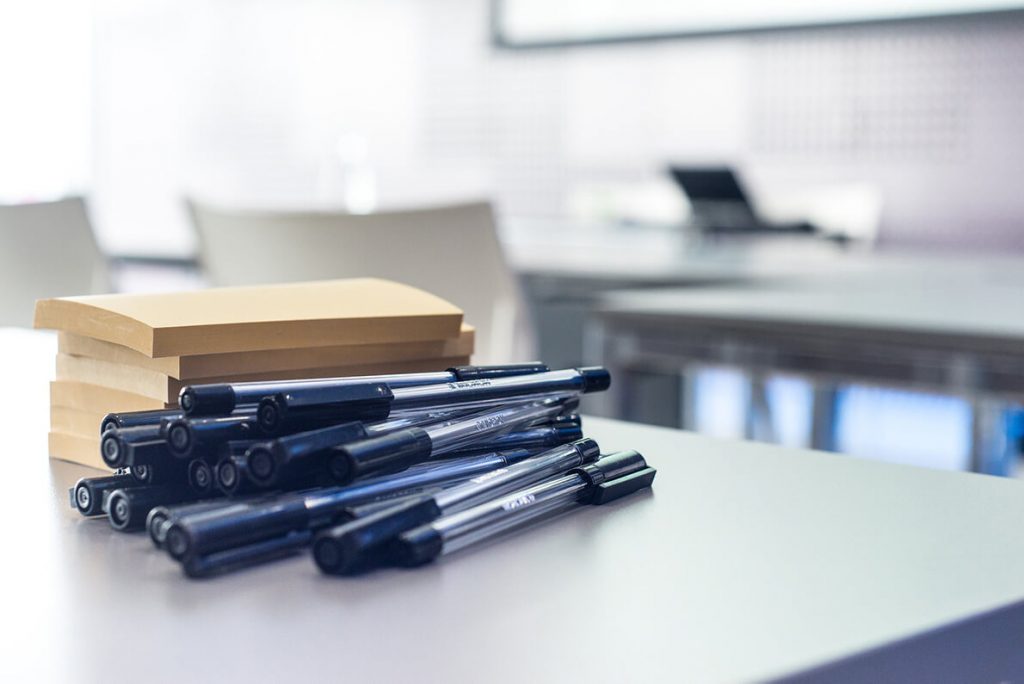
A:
(88, 493)
(578, 380)
(528, 438)
(128, 419)
(426, 543)
(477, 427)
(411, 480)
(222, 398)
(461, 529)
(546, 464)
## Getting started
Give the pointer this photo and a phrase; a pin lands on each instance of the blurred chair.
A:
(46, 250)
(451, 251)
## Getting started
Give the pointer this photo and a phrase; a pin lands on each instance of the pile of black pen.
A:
(366, 471)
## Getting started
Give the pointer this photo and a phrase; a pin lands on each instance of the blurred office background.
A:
(899, 135)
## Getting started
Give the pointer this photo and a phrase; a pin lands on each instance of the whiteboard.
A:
(525, 23)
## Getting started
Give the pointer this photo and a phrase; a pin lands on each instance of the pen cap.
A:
(395, 451)
(355, 545)
(595, 379)
(482, 372)
(418, 546)
(614, 476)
(200, 476)
(245, 556)
(88, 493)
(235, 524)
(159, 473)
(114, 442)
(186, 435)
(363, 401)
(160, 518)
(207, 400)
(566, 433)
(128, 507)
(136, 418)
(150, 452)
(230, 473)
(621, 486)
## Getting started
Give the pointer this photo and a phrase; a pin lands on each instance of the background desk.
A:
(747, 561)
(565, 267)
(954, 326)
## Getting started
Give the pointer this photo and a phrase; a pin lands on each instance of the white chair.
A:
(451, 251)
(46, 250)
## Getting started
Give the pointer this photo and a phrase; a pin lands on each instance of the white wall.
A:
(242, 101)
(248, 101)
(927, 111)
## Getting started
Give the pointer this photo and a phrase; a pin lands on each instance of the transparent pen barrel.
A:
(505, 480)
(452, 410)
(474, 390)
(513, 519)
(463, 528)
(252, 392)
(454, 434)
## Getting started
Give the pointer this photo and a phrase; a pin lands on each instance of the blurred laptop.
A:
(721, 206)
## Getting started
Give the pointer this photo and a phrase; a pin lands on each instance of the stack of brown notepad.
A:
(136, 352)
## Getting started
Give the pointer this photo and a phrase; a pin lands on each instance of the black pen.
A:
(609, 478)
(223, 398)
(375, 401)
(264, 462)
(347, 548)
(400, 449)
(238, 522)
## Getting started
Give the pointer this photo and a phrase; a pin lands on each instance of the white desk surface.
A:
(747, 561)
